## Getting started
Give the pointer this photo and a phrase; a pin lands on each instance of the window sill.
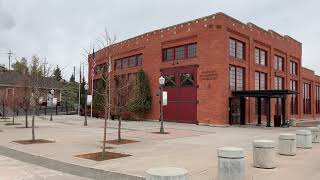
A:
(175, 60)
(279, 71)
(133, 67)
(261, 66)
(236, 59)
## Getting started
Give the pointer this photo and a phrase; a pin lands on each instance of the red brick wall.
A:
(309, 76)
(212, 36)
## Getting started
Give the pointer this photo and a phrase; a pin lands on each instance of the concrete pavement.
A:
(12, 169)
(188, 146)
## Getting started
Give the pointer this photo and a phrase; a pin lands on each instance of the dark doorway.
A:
(234, 111)
(181, 85)
(237, 110)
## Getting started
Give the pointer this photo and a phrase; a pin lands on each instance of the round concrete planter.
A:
(287, 144)
(231, 163)
(166, 173)
(315, 133)
(264, 154)
(304, 139)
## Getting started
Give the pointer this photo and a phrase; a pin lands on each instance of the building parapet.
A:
(199, 21)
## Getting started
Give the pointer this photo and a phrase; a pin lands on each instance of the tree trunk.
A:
(13, 116)
(33, 115)
(104, 135)
(119, 129)
(67, 108)
(26, 117)
(3, 112)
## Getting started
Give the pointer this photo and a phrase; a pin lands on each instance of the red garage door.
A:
(181, 85)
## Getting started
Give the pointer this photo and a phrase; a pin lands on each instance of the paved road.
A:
(65, 167)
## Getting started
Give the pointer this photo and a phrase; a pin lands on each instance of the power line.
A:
(10, 53)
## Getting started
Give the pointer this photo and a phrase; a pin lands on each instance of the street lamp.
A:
(51, 101)
(161, 82)
(86, 87)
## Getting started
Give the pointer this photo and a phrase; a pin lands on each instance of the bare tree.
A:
(123, 87)
(37, 83)
(105, 43)
(34, 102)
(119, 88)
(13, 103)
(23, 94)
(47, 69)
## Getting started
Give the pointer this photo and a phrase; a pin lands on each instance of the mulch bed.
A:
(24, 127)
(98, 156)
(160, 133)
(10, 124)
(122, 141)
(37, 141)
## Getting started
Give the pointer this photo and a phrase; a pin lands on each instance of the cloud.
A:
(58, 29)
(7, 21)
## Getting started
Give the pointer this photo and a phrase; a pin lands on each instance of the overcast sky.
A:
(58, 29)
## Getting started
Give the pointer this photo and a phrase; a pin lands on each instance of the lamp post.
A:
(86, 87)
(51, 102)
(161, 82)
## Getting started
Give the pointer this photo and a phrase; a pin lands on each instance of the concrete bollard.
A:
(287, 144)
(315, 133)
(231, 163)
(304, 139)
(264, 154)
(166, 173)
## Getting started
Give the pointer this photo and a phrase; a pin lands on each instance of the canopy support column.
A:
(268, 112)
(259, 111)
(283, 104)
(242, 110)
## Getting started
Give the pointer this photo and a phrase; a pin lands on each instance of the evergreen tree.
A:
(72, 78)
(142, 100)
(99, 95)
(57, 73)
(21, 66)
(35, 69)
(70, 92)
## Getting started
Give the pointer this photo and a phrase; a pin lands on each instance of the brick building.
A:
(205, 60)
(12, 81)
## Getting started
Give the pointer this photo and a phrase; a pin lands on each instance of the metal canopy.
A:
(267, 94)
(263, 93)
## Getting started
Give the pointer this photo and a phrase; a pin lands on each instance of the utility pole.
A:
(9, 57)
(79, 100)
(10, 53)
(74, 72)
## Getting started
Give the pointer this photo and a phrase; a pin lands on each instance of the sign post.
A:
(165, 98)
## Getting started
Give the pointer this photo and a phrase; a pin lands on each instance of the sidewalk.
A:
(13, 169)
(188, 146)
